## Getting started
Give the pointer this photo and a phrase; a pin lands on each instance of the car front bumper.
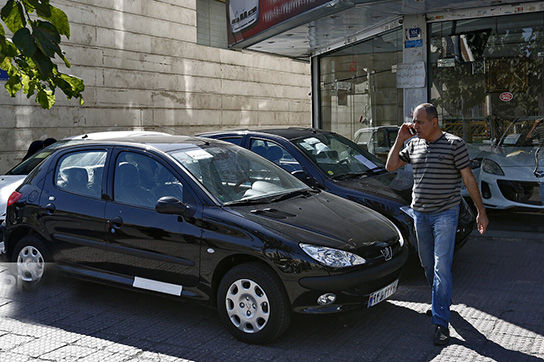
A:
(351, 290)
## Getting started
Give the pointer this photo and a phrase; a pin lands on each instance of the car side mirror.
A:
(171, 205)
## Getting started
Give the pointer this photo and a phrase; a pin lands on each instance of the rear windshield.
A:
(24, 168)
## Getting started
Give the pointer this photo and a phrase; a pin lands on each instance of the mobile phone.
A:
(412, 131)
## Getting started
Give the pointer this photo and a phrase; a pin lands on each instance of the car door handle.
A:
(50, 208)
(115, 223)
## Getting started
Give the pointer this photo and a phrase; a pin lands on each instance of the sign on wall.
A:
(411, 75)
(246, 18)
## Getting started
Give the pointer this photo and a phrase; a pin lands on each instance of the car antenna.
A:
(85, 136)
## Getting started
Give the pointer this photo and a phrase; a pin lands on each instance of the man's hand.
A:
(482, 221)
(474, 192)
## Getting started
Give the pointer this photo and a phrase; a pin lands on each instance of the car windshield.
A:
(337, 156)
(24, 168)
(234, 175)
(524, 133)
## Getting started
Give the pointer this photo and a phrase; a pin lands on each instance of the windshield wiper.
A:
(260, 200)
(358, 174)
(291, 194)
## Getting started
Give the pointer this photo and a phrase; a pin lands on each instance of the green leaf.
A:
(44, 64)
(42, 8)
(76, 84)
(13, 85)
(2, 31)
(47, 38)
(13, 15)
(6, 64)
(59, 19)
(9, 49)
(45, 98)
(24, 41)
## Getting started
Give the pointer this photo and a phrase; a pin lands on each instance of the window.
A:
(81, 173)
(485, 73)
(141, 181)
(275, 153)
(358, 85)
(211, 23)
(235, 140)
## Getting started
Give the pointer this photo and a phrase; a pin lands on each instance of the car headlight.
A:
(332, 257)
(491, 167)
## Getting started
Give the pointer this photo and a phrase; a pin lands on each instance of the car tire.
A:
(30, 258)
(252, 303)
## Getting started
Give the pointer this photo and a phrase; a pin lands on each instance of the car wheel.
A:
(252, 303)
(30, 257)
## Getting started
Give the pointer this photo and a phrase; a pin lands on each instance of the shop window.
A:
(485, 73)
(358, 85)
(211, 23)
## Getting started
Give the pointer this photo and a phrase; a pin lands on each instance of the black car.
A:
(206, 220)
(331, 162)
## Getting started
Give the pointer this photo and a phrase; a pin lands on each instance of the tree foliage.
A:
(28, 56)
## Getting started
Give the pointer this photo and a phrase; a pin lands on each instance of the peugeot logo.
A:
(387, 253)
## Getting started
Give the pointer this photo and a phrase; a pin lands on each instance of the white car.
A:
(510, 173)
(14, 177)
(377, 140)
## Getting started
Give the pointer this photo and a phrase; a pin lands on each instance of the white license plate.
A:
(382, 294)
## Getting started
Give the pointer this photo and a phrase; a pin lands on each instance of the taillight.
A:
(14, 197)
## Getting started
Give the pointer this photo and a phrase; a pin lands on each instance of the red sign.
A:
(506, 96)
(247, 18)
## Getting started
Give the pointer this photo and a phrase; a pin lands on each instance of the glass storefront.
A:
(486, 72)
(358, 85)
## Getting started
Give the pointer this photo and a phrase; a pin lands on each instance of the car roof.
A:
(289, 133)
(161, 141)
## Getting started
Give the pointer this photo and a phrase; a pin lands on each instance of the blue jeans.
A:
(436, 243)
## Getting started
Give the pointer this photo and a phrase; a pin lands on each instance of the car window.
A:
(336, 155)
(235, 140)
(81, 173)
(232, 174)
(141, 181)
(24, 168)
(275, 153)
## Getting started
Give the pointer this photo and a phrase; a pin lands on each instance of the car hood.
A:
(514, 156)
(395, 186)
(323, 219)
(8, 184)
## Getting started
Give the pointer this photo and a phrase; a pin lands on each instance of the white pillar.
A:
(414, 52)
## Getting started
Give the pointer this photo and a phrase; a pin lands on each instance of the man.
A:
(439, 161)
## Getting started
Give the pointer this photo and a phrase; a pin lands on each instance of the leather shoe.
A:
(441, 335)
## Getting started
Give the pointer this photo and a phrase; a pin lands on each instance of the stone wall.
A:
(143, 70)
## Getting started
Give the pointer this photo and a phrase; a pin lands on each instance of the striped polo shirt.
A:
(436, 165)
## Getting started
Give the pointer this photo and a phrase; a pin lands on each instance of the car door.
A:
(72, 208)
(152, 248)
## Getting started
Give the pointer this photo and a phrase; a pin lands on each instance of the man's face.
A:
(422, 123)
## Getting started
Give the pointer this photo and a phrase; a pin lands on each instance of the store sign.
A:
(413, 38)
(246, 18)
(506, 96)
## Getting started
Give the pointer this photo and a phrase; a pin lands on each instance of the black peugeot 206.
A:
(206, 220)
(331, 162)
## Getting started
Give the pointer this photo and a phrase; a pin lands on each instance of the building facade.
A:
(145, 68)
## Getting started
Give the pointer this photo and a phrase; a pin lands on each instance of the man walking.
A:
(439, 161)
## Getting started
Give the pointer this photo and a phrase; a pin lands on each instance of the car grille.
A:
(521, 191)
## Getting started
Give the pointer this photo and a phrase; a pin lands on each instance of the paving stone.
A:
(68, 353)
(10, 341)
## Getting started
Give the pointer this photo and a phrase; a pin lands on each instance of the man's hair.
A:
(429, 109)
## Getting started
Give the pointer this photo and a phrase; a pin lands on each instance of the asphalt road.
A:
(498, 306)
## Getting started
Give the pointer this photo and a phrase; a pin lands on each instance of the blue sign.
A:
(413, 43)
(414, 33)
(3, 75)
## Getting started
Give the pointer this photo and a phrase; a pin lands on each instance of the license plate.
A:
(382, 294)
